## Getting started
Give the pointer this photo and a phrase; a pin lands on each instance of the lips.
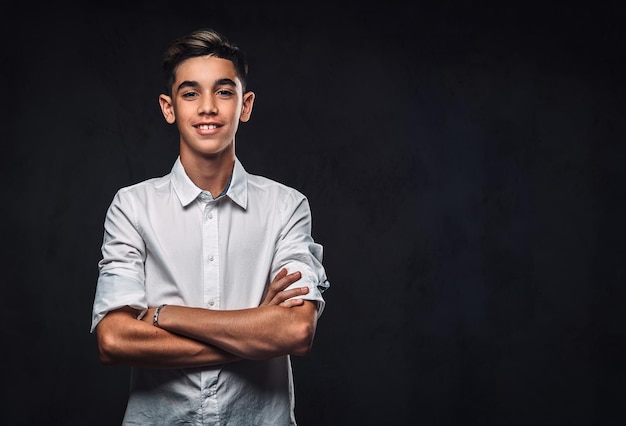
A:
(206, 126)
(207, 129)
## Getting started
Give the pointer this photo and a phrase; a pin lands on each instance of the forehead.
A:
(206, 70)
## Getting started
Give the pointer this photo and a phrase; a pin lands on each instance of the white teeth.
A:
(207, 126)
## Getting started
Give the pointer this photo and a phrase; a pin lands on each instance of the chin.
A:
(207, 151)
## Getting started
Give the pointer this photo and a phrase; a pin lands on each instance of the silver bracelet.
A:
(155, 318)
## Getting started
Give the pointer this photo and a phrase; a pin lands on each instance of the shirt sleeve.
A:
(297, 251)
(121, 269)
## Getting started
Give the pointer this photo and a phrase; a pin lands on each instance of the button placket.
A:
(210, 245)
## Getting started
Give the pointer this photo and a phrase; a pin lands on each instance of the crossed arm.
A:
(194, 337)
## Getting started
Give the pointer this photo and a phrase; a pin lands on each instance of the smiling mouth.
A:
(206, 126)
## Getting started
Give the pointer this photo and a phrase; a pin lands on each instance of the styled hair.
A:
(203, 42)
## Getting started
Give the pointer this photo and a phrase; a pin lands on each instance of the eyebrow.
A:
(195, 84)
(225, 81)
(187, 83)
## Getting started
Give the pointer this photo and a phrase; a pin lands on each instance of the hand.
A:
(277, 295)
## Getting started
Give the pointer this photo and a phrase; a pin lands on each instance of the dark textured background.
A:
(465, 167)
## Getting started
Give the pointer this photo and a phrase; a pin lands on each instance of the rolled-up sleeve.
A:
(297, 251)
(121, 269)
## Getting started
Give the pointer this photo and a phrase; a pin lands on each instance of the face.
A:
(207, 104)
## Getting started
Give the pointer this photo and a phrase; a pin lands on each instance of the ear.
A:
(246, 109)
(167, 109)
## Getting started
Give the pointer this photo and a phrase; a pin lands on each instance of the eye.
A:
(189, 95)
(225, 93)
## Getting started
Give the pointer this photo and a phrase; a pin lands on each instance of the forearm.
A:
(256, 333)
(125, 340)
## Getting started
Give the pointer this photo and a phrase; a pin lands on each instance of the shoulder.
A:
(277, 199)
(151, 184)
(143, 191)
(262, 186)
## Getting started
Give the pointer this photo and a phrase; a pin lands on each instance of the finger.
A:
(277, 279)
(288, 279)
(278, 285)
(281, 274)
(288, 294)
(291, 303)
(284, 282)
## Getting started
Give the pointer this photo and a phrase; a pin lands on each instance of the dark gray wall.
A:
(465, 167)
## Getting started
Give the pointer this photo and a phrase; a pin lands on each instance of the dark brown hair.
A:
(202, 42)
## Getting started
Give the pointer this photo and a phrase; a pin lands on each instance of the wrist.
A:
(157, 313)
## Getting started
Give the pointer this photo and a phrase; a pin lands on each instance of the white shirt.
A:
(168, 241)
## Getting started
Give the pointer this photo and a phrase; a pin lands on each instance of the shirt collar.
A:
(238, 190)
(187, 191)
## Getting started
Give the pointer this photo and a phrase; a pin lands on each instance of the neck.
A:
(209, 173)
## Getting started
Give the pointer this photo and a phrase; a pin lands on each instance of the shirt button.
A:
(211, 258)
(211, 302)
(210, 215)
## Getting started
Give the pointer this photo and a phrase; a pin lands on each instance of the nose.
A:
(207, 105)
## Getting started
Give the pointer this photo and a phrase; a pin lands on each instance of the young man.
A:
(209, 278)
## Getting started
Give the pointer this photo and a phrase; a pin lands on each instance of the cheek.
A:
(183, 112)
